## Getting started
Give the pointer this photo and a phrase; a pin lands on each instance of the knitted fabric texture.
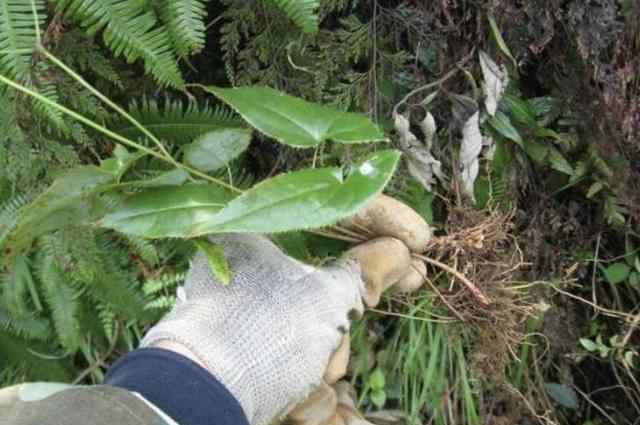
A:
(268, 335)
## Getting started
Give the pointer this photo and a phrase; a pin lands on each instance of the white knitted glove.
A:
(267, 336)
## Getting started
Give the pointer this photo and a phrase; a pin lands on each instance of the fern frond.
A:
(25, 326)
(143, 248)
(63, 303)
(130, 31)
(18, 36)
(304, 13)
(10, 215)
(52, 115)
(185, 23)
(16, 286)
(20, 354)
(166, 282)
(113, 285)
(174, 122)
(107, 319)
(165, 302)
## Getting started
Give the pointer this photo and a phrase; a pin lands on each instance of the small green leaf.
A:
(304, 199)
(562, 394)
(378, 398)
(376, 380)
(520, 110)
(296, 122)
(558, 162)
(168, 211)
(215, 149)
(217, 260)
(595, 189)
(588, 344)
(502, 124)
(617, 272)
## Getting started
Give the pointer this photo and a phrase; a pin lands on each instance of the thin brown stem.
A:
(475, 291)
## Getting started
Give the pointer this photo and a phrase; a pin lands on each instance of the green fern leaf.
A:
(25, 326)
(130, 31)
(185, 22)
(165, 302)
(143, 248)
(52, 115)
(108, 320)
(15, 287)
(111, 284)
(304, 13)
(165, 283)
(63, 303)
(17, 353)
(10, 215)
(173, 122)
(18, 36)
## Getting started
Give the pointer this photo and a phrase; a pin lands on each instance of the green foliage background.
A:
(81, 296)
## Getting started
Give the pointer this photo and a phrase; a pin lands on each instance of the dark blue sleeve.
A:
(178, 386)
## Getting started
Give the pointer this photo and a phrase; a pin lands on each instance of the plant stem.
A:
(106, 100)
(36, 24)
(477, 293)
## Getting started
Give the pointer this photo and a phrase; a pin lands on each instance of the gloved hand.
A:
(269, 334)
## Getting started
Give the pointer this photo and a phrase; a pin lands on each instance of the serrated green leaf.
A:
(296, 122)
(502, 124)
(562, 394)
(215, 149)
(617, 272)
(376, 379)
(304, 199)
(167, 211)
(588, 344)
(68, 202)
(217, 260)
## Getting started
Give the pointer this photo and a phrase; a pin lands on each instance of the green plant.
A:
(165, 188)
(420, 366)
